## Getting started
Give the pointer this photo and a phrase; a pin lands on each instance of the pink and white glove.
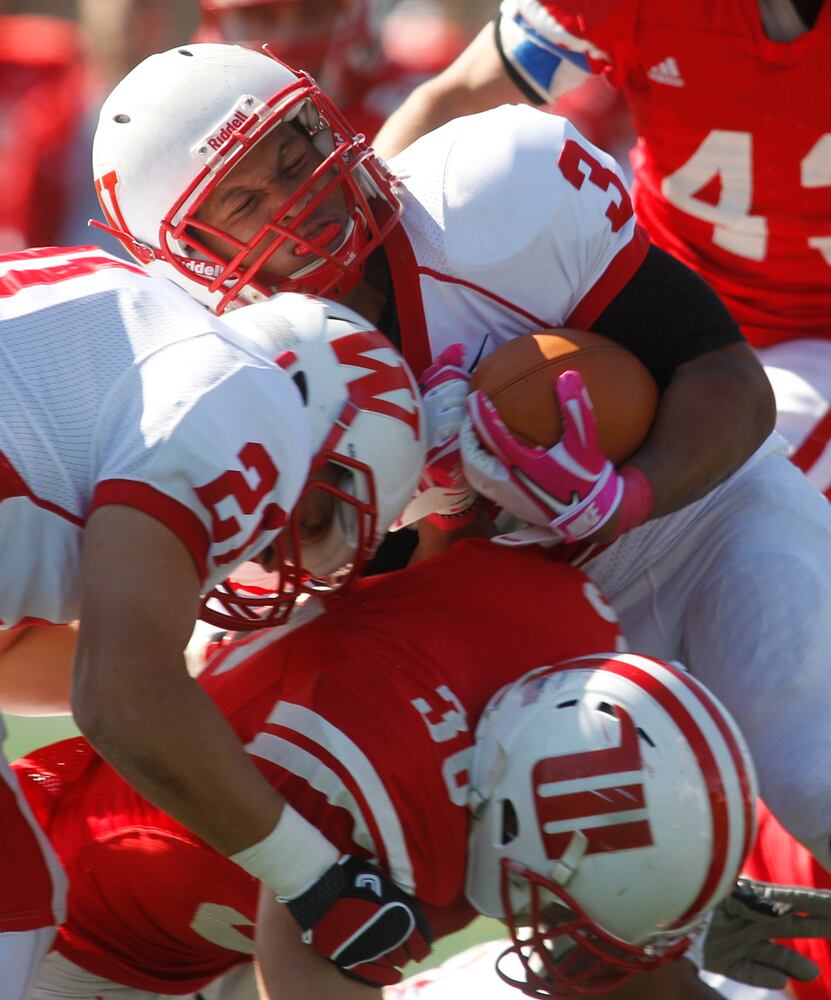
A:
(571, 488)
(444, 496)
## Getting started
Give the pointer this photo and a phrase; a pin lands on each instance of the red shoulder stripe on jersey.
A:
(813, 445)
(620, 270)
(13, 485)
(415, 344)
(38, 253)
(174, 515)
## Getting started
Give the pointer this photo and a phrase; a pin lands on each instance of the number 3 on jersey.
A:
(578, 165)
(233, 497)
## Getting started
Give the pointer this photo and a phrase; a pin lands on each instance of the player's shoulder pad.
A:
(490, 180)
(594, 20)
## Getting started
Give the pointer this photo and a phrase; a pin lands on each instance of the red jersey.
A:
(363, 719)
(733, 160)
(41, 104)
(32, 884)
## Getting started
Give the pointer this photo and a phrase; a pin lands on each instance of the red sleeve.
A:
(608, 24)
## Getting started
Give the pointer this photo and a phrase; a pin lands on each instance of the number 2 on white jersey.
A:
(728, 156)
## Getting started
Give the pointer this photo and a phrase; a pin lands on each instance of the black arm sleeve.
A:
(666, 315)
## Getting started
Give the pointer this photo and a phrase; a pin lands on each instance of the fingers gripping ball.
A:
(519, 378)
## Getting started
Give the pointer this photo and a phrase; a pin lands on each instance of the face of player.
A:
(298, 31)
(254, 193)
(314, 515)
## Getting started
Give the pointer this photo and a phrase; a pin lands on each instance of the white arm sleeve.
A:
(536, 47)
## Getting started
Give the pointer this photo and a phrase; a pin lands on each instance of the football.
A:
(520, 375)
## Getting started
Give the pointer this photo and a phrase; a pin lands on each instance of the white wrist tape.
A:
(293, 856)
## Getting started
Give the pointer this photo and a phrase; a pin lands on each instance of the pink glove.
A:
(444, 496)
(572, 488)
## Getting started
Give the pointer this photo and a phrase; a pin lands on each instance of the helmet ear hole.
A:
(299, 380)
(510, 823)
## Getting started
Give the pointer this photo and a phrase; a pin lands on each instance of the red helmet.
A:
(159, 154)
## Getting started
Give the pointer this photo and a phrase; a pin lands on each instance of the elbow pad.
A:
(529, 40)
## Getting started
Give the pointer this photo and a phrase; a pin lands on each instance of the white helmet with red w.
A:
(175, 128)
(614, 804)
(368, 451)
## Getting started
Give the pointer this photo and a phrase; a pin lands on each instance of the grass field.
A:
(26, 734)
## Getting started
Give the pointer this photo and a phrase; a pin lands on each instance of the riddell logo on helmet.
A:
(203, 267)
(218, 139)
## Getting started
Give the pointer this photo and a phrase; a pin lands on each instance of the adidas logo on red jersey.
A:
(666, 72)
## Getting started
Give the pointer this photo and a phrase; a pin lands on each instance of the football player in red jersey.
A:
(732, 165)
(148, 449)
(336, 41)
(406, 725)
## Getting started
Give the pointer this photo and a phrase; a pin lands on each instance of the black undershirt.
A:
(808, 11)
(666, 314)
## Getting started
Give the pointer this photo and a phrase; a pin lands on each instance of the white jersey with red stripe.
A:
(512, 223)
(117, 387)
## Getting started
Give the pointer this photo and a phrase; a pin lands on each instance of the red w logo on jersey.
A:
(599, 793)
(365, 349)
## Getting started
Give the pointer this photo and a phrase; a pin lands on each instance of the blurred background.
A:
(60, 58)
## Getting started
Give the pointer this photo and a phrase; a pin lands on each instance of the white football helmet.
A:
(614, 803)
(174, 128)
(367, 433)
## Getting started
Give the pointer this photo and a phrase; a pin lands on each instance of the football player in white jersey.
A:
(488, 228)
(147, 449)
